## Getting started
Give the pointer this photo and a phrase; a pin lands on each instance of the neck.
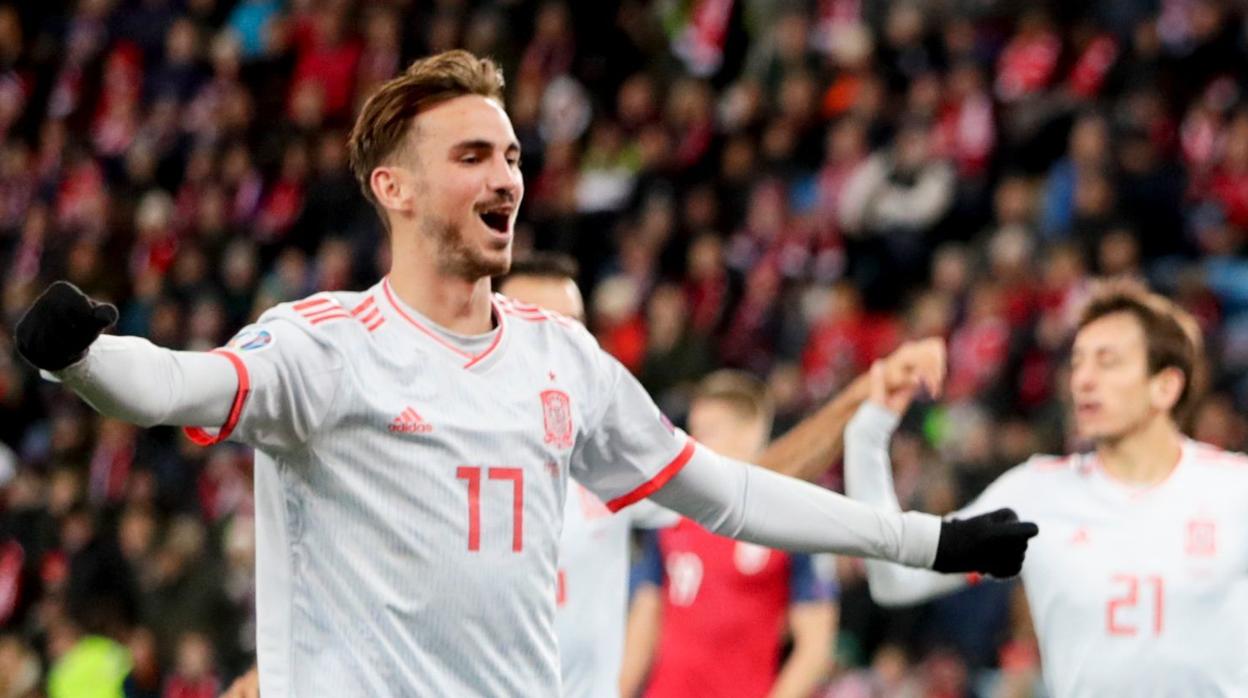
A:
(456, 303)
(1144, 456)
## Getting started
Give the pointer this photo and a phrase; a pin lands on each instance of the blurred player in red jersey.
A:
(725, 604)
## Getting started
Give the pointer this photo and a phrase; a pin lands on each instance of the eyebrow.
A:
(482, 144)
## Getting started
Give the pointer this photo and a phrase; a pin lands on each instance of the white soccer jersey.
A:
(410, 486)
(1136, 591)
(592, 592)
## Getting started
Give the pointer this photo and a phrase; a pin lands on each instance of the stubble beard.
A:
(457, 258)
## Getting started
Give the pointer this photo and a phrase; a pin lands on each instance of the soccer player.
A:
(1138, 583)
(414, 440)
(593, 547)
(724, 603)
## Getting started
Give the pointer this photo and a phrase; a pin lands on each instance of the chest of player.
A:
(520, 409)
(481, 456)
(1135, 566)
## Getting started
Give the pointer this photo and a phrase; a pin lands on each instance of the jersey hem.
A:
(200, 436)
(657, 482)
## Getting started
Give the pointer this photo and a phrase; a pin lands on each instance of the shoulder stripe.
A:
(525, 316)
(657, 482)
(323, 310)
(368, 303)
(341, 315)
(310, 303)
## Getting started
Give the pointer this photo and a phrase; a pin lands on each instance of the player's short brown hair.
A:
(382, 127)
(1173, 337)
(743, 392)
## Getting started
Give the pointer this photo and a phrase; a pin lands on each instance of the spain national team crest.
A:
(1202, 538)
(557, 417)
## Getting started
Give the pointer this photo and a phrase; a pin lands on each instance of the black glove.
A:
(60, 325)
(994, 543)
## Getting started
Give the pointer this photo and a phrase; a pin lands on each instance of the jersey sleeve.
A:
(628, 450)
(288, 374)
(806, 584)
(647, 515)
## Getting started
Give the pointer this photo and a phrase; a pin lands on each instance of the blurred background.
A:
(790, 188)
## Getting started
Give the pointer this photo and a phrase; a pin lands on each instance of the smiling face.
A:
(464, 161)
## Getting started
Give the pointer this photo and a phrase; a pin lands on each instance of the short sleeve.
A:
(287, 379)
(806, 584)
(628, 450)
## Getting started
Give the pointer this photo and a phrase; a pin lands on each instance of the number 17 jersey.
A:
(410, 486)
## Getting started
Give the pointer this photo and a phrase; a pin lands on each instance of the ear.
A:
(393, 186)
(1166, 387)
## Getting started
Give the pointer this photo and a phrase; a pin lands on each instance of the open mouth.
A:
(498, 220)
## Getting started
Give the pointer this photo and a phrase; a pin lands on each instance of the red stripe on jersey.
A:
(377, 324)
(203, 438)
(363, 306)
(330, 316)
(312, 314)
(974, 578)
(311, 302)
(372, 315)
(655, 483)
(522, 306)
(523, 316)
(498, 312)
(430, 333)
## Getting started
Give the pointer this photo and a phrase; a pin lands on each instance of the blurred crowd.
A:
(790, 188)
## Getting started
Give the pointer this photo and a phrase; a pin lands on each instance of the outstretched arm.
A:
(128, 378)
(869, 479)
(630, 452)
(749, 503)
(807, 450)
(273, 392)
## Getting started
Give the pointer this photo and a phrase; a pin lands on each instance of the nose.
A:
(1082, 379)
(505, 180)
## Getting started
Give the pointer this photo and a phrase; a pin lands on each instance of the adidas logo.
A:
(410, 422)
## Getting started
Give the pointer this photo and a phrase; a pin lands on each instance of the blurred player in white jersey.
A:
(414, 440)
(1138, 583)
(594, 545)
